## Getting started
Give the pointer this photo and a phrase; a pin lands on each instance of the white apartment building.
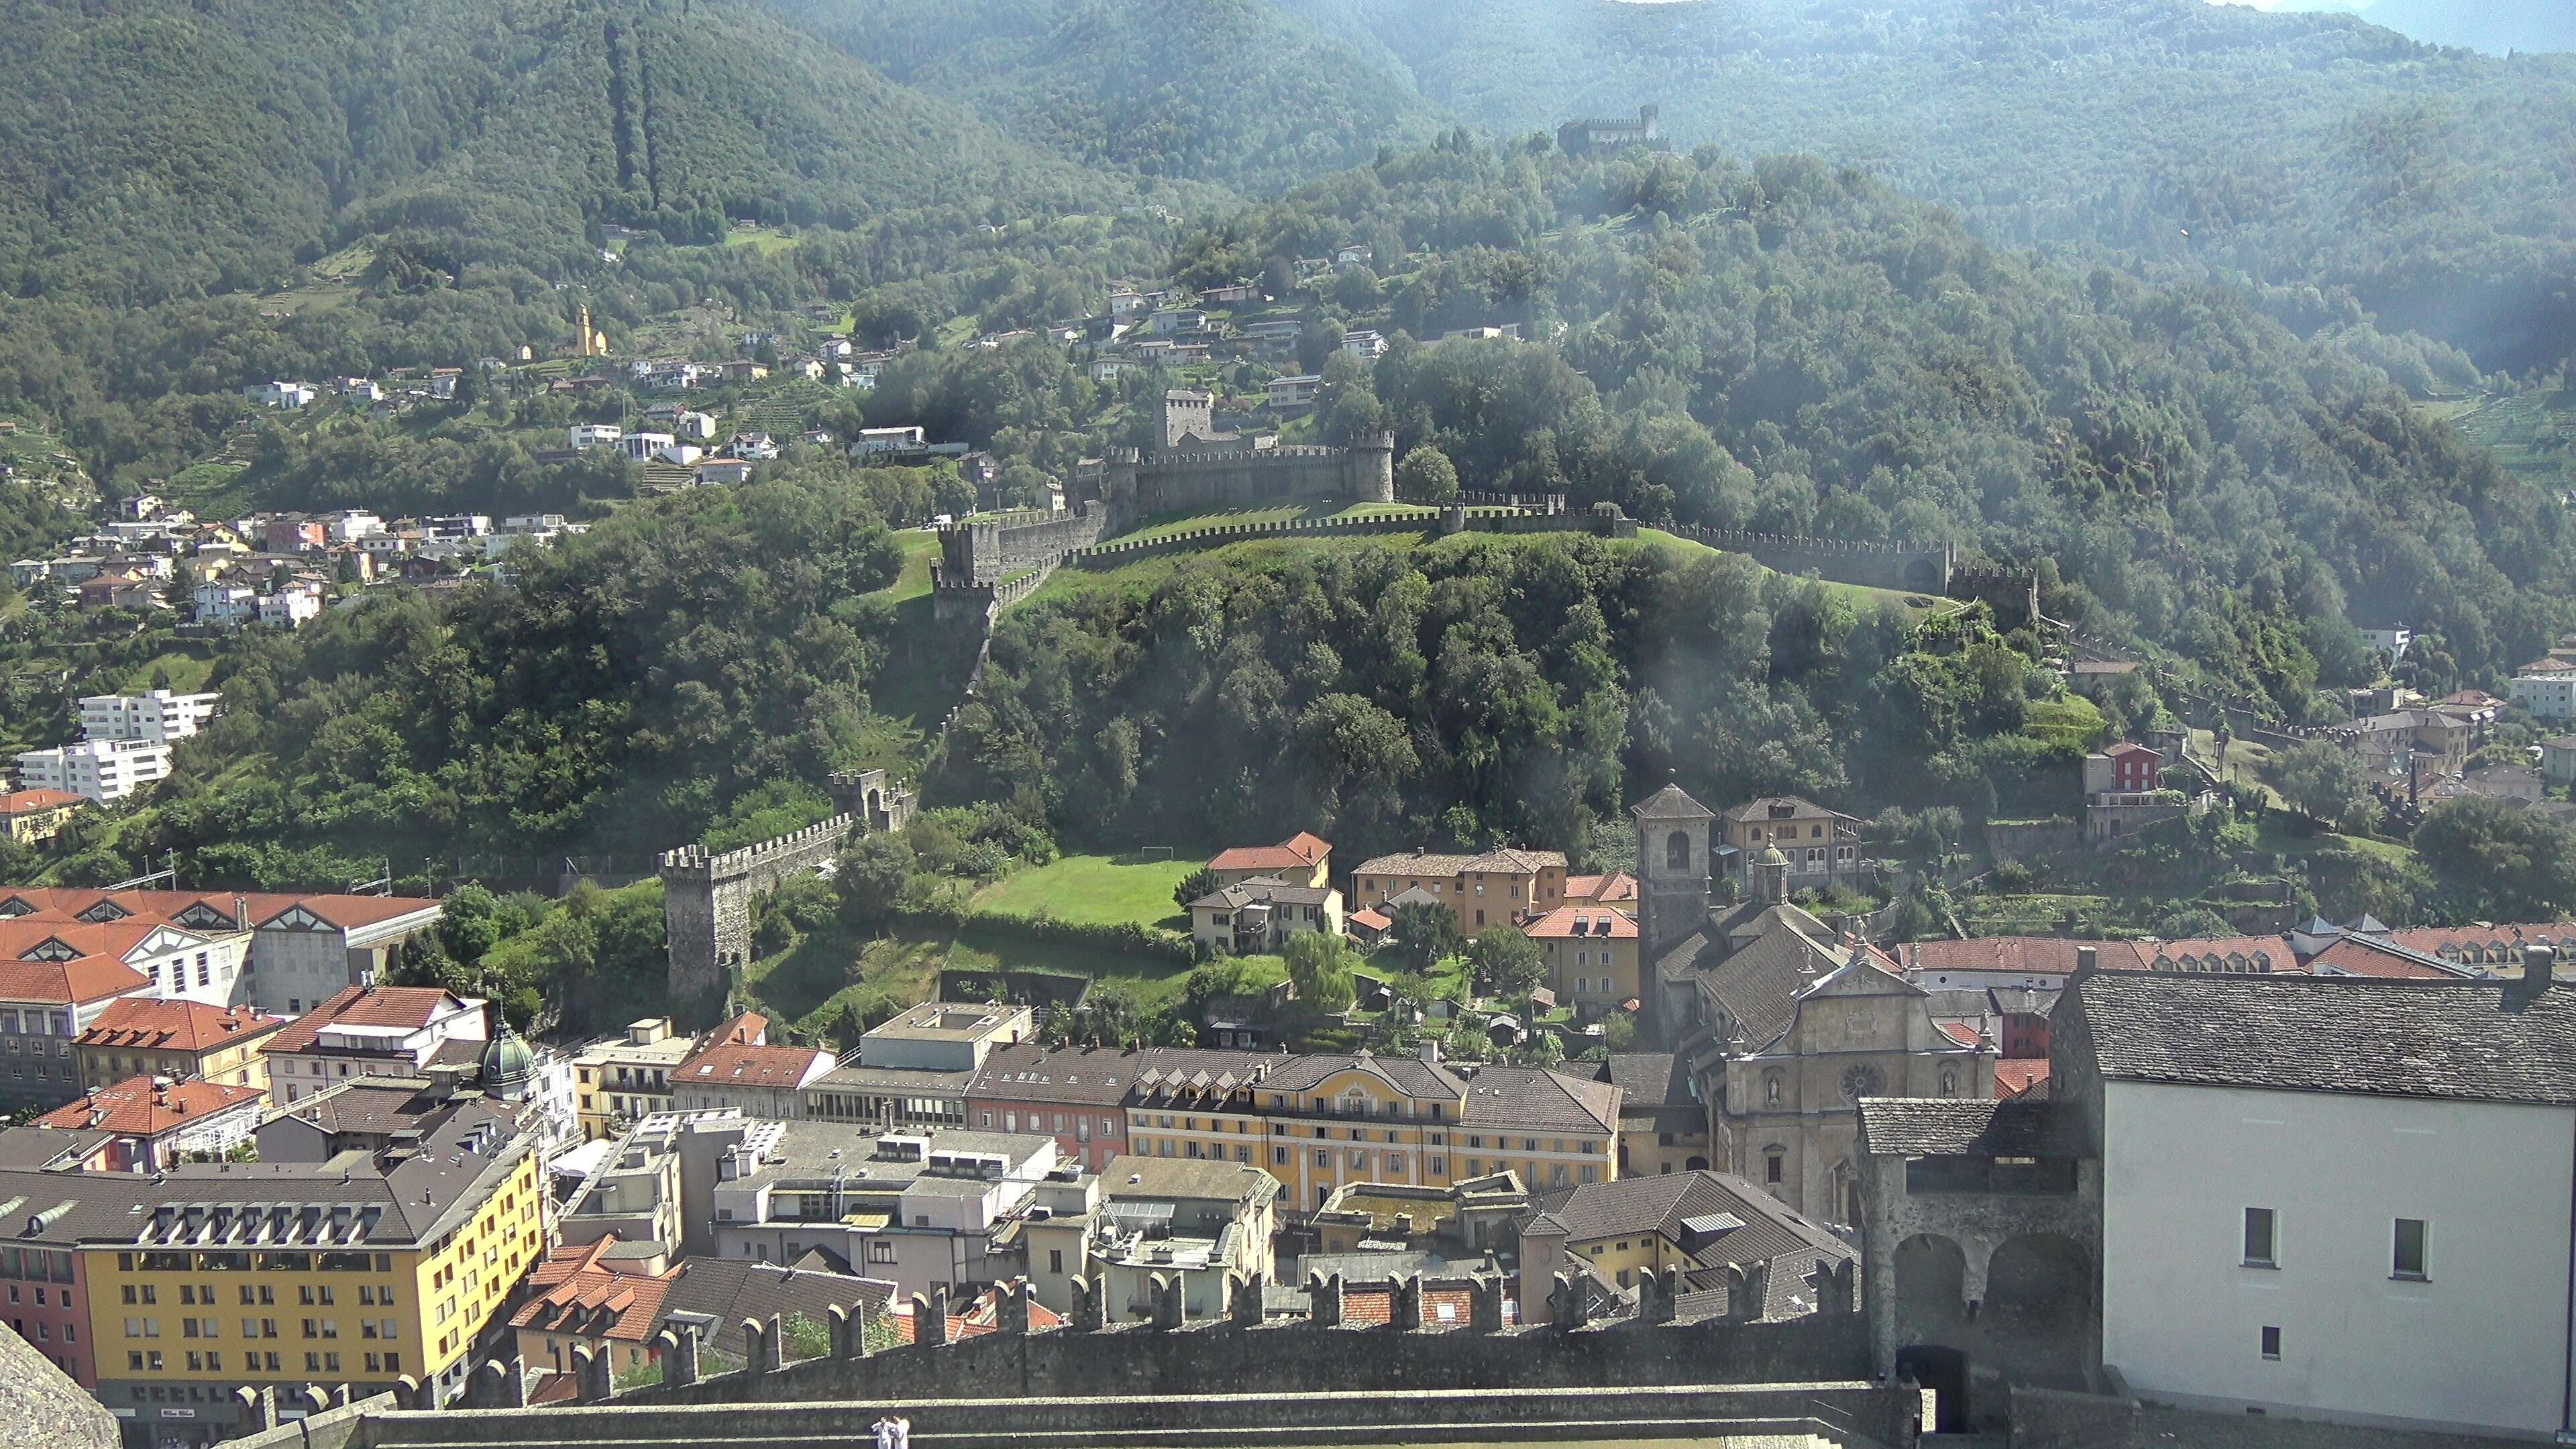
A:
(158, 715)
(102, 770)
(2337, 1198)
(593, 435)
(2547, 696)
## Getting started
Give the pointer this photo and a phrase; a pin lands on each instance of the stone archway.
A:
(1931, 1289)
(1923, 576)
(2039, 1307)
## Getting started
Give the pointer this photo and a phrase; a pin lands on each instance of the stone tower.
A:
(1186, 415)
(1672, 871)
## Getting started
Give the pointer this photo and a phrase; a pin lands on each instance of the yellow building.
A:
(1319, 1122)
(618, 1083)
(283, 1275)
(141, 1036)
(1591, 956)
(33, 817)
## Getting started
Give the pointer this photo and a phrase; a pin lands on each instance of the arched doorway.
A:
(1696, 1164)
(1923, 576)
(1945, 1372)
(1931, 1289)
(2039, 1308)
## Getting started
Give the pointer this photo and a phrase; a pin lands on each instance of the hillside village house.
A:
(1822, 846)
(1499, 887)
(1300, 860)
(141, 1036)
(1261, 913)
(32, 817)
(1591, 956)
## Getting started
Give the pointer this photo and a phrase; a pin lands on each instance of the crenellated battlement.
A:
(706, 901)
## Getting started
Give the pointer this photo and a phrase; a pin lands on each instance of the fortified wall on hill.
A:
(986, 563)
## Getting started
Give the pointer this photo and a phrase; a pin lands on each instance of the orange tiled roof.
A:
(1563, 921)
(2016, 1075)
(180, 1026)
(411, 1006)
(27, 802)
(1609, 889)
(1300, 849)
(148, 1106)
(727, 1065)
(76, 982)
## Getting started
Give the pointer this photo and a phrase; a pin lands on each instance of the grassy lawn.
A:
(1170, 524)
(1100, 890)
(2069, 721)
(920, 551)
(1861, 596)
(188, 668)
(764, 240)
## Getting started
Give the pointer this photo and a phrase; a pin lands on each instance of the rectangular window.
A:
(2262, 1248)
(2407, 1259)
(2271, 1343)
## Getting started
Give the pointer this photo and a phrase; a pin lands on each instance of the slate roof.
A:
(366, 1106)
(2466, 1041)
(1540, 1100)
(1262, 889)
(1669, 1204)
(1966, 1127)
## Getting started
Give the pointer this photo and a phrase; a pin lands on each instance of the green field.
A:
(1093, 890)
(2533, 433)
(2072, 720)
(920, 551)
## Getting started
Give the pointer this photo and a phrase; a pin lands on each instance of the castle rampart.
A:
(1923, 568)
(706, 904)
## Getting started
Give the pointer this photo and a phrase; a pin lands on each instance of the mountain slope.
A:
(161, 149)
(1238, 92)
(2289, 148)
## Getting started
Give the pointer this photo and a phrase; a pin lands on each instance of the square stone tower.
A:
(1673, 865)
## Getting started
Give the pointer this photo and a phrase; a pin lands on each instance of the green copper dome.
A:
(507, 1061)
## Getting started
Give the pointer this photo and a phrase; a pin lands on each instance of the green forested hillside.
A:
(161, 149)
(1231, 91)
(2436, 185)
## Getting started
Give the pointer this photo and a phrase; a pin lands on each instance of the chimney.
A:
(2088, 959)
(2539, 967)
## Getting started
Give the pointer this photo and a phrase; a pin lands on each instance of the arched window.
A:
(1677, 850)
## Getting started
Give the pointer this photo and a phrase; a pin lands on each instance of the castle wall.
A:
(991, 550)
(1293, 1358)
(1203, 482)
(706, 902)
(1920, 568)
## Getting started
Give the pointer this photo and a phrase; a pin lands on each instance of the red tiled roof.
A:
(27, 802)
(2016, 1075)
(1300, 849)
(148, 1107)
(1563, 922)
(76, 982)
(574, 1294)
(726, 1065)
(24, 934)
(1960, 1032)
(2361, 956)
(350, 912)
(1609, 889)
(409, 1006)
(182, 1026)
(1368, 916)
(2014, 954)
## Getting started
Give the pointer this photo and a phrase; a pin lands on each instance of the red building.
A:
(2122, 769)
(1077, 1095)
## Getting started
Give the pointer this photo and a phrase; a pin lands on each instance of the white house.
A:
(2392, 641)
(1294, 392)
(645, 447)
(1364, 343)
(102, 770)
(287, 395)
(2336, 1198)
(227, 605)
(290, 607)
(593, 435)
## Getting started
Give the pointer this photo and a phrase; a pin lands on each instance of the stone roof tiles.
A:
(2469, 1041)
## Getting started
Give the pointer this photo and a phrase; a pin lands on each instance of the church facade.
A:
(1785, 1022)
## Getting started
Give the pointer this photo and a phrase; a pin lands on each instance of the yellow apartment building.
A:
(356, 1272)
(1317, 1123)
